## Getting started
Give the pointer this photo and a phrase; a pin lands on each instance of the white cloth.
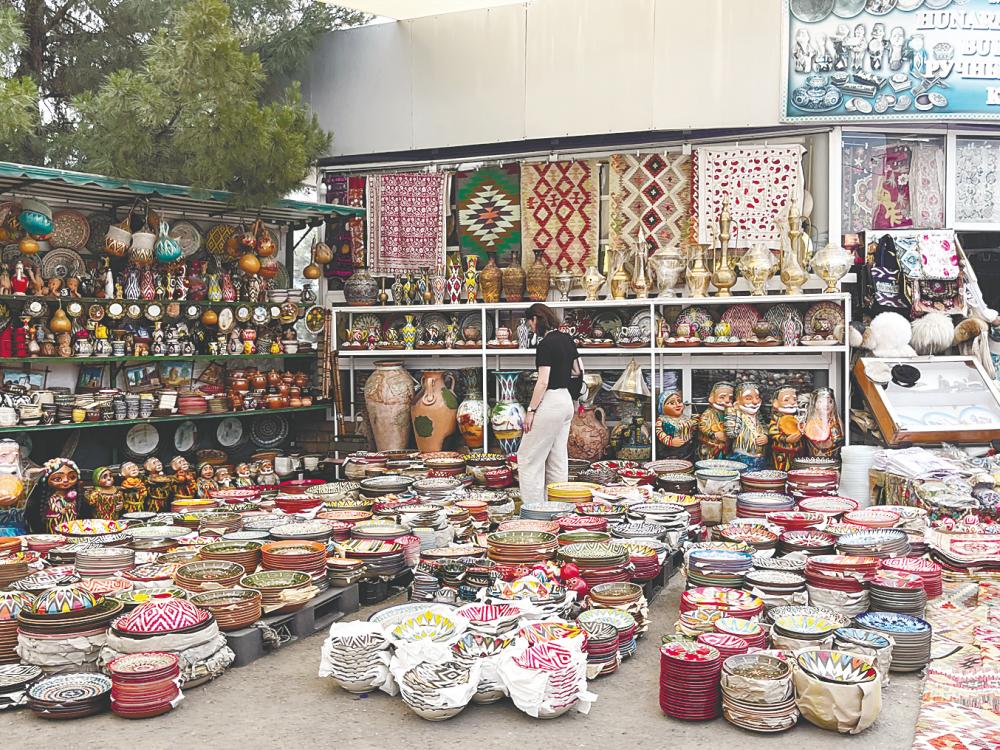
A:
(543, 457)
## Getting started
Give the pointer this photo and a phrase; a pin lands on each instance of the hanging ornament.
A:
(250, 263)
(312, 271)
(269, 268)
(266, 246)
(322, 253)
(60, 323)
(167, 249)
(209, 317)
(28, 246)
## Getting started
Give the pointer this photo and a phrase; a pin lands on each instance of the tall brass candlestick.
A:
(723, 268)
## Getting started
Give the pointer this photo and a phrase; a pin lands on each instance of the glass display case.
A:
(930, 400)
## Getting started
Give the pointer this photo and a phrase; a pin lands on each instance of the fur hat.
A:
(933, 333)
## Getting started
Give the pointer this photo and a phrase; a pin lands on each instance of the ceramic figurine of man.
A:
(712, 440)
(266, 476)
(58, 497)
(160, 486)
(185, 484)
(243, 476)
(133, 488)
(673, 429)
(786, 438)
(223, 478)
(104, 498)
(206, 480)
(745, 429)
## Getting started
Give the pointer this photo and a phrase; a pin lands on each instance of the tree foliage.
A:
(191, 113)
(18, 94)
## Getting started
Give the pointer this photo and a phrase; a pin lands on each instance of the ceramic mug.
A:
(284, 465)
(311, 463)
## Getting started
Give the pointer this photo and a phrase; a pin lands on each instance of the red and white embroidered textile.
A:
(406, 227)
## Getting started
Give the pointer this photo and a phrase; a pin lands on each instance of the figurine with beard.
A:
(786, 437)
(712, 440)
(185, 485)
(744, 428)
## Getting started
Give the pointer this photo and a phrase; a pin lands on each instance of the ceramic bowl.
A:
(61, 599)
(837, 666)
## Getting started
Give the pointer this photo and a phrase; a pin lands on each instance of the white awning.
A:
(401, 10)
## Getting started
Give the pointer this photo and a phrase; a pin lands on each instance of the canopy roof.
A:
(401, 10)
(57, 186)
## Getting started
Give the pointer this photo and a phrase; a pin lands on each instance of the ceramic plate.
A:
(62, 262)
(187, 235)
(142, 439)
(185, 436)
(229, 432)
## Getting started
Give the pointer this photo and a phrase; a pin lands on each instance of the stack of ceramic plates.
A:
(545, 511)
(918, 542)
(246, 553)
(427, 625)
(431, 515)
(381, 528)
(912, 636)
(763, 480)
(928, 570)
(319, 531)
(491, 619)
(779, 563)
(717, 567)
(638, 530)
(598, 563)
(671, 516)
(65, 554)
(42, 543)
(410, 545)
(573, 522)
(90, 528)
(644, 557)
(625, 596)
(347, 516)
(292, 504)
(881, 543)
(910, 516)
(528, 524)
(387, 484)
(57, 575)
(612, 513)
(717, 481)
(689, 681)
(570, 492)
(841, 620)
(281, 590)
(564, 675)
(103, 562)
(553, 630)
(840, 582)
(796, 520)
(70, 696)
(479, 510)
(760, 537)
(602, 648)
(694, 622)
(748, 630)
(803, 627)
(191, 403)
(472, 647)
(145, 684)
(759, 504)
(358, 662)
(860, 568)
(307, 557)
(622, 621)
(14, 681)
(152, 575)
(731, 602)
(206, 575)
(583, 537)
(11, 604)
(811, 542)
(385, 559)
(894, 591)
(13, 567)
(670, 466)
(803, 483)
(775, 584)
(435, 489)
(519, 547)
(831, 506)
(872, 518)
(757, 693)
(727, 645)
(853, 639)
(233, 608)
(132, 598)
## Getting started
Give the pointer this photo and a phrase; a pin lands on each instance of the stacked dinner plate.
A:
(842, 621)
(731, 602)
(317, 531)
(803, 483)
(612, 513)
(795, 564)
(912, 636)
(103, 562)
(840, 582)
(623, 622)
(759, 504)
(872, 518)
(626, 596)
(519, 547)
(307, 557)
(13, 567)
(528, 524)
(387, 484)
(751, 632)
(145, 684)
(694, 622)
(757, 535)
(717, 567)
(881, 543)
(245, 553)
(673, 516)
(795, 520)
(435, 489)
(644, 557)
(570, 492)
(775, 586)
(928, 570)
(70, 696)
(205, 575)
(598, 563)
(602, 648)
(14, 680)
(152, 575)
(281, 590)
(810, 542)
(727, 645)
(910, 516)
(831, 506)
(385, 559)
(803, 627)
(546, 511)
(381, 528)
(573, 522)
(757, 693)
(11, 604)
(638, 530)
(893, 591)
(233, 608)
(763, 480)
(689, 681)
(583, 537)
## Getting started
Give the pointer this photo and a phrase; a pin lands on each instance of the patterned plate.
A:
(142, 663)
(70, 688)
(892, 622)
(70, 229)
(282, 280)
(187, 235)
(699, 318)
(63, 263)
(741, 319)
(17, 674)
(315, 317)
(777, 314)
(269, 431)
(825, 314)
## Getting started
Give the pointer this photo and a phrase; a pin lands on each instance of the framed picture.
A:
(176, 374)
(90, 379)
(214, 374)
(25, 377)
(142, 378)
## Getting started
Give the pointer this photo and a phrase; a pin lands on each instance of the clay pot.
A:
(588, 435)
(301, 379)
(258, 380)
(388, 393)
(275, 401)
(273, 377)
(471, 413)
(241, 384)
(434, 411)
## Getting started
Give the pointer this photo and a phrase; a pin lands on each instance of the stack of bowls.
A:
(281, 591)
(775, 586)
(911, 635)
(868, 644)
(757, 693)
(307, 557)
(570, 492)
(731, 602)
(104, 562)
(831, 506)
(528, 524)
(690, 681)
(759, 504)
(671, 516)
(472, 647)
(892, 591)
(694, 622)
(357, 661)
(623, 622)
(152, 575)
(246, 553)
(611, 513)
(628, 597)
(598, 563)
(827, 671)
(492, 619)
(872, 518)
(717, 567)
(42, 543)
(727, 645)
(70, 696)
(808, 541)
(793, 564)
(840, 582)
(427, 625)
(573, 522)
(842, 621)
(645, 558)
(811, 482)
(928, 570)
(638, 530)
(144, 685)
(763, 480)
(317, 531)
(520, 547)
(13, 567)
(603, 656)
(206, 575)
(219, 523)
(11, 604)
(233, 608)
(583, 537)
(387, 484)
(763, 539)
(795, 520)
(748, 630)
(803, 627)
(383, 559)
(545, 511)
(563, 672)
(881, 543)
(14, 681)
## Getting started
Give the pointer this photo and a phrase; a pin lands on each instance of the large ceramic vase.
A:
(361, 288)
(588, 434)
(388, 393)
(507, 415)
(472, 411)
(538, 279)
(434, 411)
(491, 280)
(513, 280)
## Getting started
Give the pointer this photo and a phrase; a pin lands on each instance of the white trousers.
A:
(543, 456)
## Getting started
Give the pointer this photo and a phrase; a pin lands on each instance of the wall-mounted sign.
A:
(891, 60)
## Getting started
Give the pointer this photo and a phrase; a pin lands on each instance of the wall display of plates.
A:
(282, 280)
(188, 236)
(269, 431)
(186, 436)
(70, 228)
(62, 262)
(777, 315)
(315, 317)
(609, 320)
(823, 314)
(229, 432)
(142, 440)
(699, 318)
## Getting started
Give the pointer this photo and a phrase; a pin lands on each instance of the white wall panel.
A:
(359, 84)
(468, 77)
(588, 67)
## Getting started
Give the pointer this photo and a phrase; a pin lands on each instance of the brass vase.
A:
(668, 265)
(640, 282)
(563, 282)
(757, 267)
(723, 267)
(513, 280)
(592, 283)
(793, 275)
(538, 279)
(620, 281)
(491, 280)
(698, 275)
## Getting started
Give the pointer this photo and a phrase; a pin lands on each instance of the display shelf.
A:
(391, 353)
(165, 358)
(158, 420)
(13, 298)
(599, 351)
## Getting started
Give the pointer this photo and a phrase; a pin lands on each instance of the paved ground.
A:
(278, 702)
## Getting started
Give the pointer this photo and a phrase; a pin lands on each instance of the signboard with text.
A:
(864, 60)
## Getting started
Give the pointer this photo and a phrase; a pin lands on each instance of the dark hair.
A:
(545, 318)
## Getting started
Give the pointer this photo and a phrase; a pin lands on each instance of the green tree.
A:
(18, 94)
(191, 114)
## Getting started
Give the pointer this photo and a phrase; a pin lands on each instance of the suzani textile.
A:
(559, 213)
(406, 228)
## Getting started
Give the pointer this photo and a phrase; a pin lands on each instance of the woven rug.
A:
(489, 211)
(406, 228)
(760, 182)
(651, 195)
(953, 726)
(559, 213)
(345, 234)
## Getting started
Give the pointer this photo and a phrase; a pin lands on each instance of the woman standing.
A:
(543, 456)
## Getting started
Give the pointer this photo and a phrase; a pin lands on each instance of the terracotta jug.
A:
(538, 279)
(388, 393)
(434, 411)
(588, 434)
